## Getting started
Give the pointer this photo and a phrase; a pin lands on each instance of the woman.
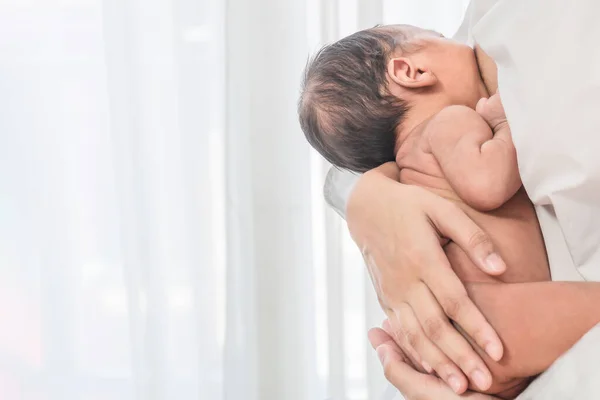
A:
(550, 105)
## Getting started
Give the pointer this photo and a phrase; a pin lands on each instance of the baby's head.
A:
(362, 93)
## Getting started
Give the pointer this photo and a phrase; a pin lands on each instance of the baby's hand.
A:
(492, 111)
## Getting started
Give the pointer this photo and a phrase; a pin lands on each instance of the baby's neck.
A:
(410, 131)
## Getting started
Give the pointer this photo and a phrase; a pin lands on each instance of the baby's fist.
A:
(492, 111)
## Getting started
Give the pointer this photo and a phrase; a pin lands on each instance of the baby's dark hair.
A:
(346, 110)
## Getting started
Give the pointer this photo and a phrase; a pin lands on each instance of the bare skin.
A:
(451, 153)
(530, 319)
(400, 228)
(466, 157)
(416, 287)
(469, 158)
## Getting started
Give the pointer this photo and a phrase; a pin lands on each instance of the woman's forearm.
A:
(537, 322)
(364, 197)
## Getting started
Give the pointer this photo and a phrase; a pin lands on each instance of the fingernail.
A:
(494, 351)
(427, 367)
(380, 353)
(454, 383)
(480, 379)
(494, 263)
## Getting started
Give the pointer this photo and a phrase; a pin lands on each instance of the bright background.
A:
(162, 229)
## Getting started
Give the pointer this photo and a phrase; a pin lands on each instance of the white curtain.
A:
(162, 229)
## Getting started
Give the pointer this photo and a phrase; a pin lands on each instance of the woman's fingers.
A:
(412, 384)
(379, 336)
(402, 338)
(398, 232)
(404, 378)
(431, 356)
(455, 349)
(455, 225)
(449, 290)
(409, 354)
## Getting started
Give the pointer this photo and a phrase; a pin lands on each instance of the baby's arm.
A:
(537, 322)
(479, 165)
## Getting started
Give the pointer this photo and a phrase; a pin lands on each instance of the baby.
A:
(409, 95)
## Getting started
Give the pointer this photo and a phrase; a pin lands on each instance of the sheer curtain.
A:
(162, 229)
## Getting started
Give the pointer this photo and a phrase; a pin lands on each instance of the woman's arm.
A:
(399, 229)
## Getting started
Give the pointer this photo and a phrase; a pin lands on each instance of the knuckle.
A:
(454, 306)
(434, 328)
(412, 338)
(444, 366)
(479, 239)
(467, 362)
(399, 336)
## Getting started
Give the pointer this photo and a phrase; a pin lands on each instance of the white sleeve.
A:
(338, 186)
(573, 376)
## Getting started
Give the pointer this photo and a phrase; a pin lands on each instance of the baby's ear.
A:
(404, 72)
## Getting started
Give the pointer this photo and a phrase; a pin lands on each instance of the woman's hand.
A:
(400, 230)
(412, 384)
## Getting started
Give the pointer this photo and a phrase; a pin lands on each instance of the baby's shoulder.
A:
(454, 113)
(453, 121)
